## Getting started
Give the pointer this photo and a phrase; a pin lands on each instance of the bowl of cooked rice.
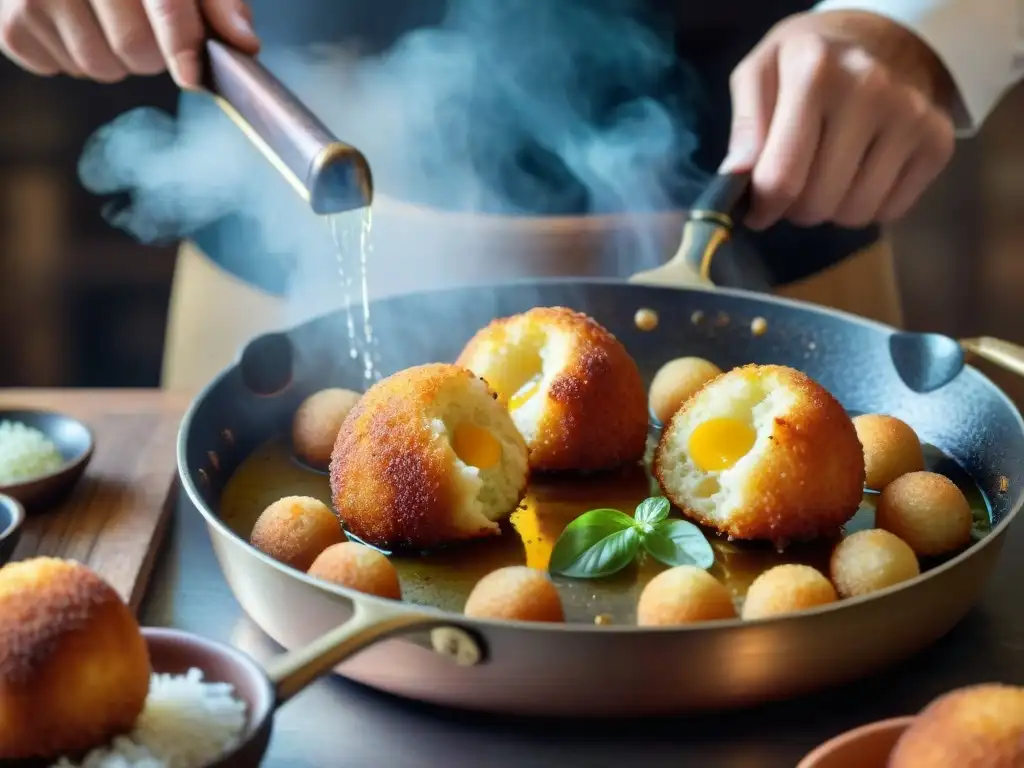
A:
(42, 455)
(12, 515)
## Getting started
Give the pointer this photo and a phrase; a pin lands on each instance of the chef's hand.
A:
(107, 40)
(842, 118)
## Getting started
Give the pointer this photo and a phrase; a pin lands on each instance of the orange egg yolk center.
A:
(476, 446)
(524, 393)
(718, 444)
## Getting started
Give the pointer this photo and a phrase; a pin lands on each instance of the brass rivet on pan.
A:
(457, 644)
(646, 319)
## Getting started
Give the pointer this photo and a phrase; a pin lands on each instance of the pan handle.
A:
(329, 174)
(1005, 354)
(370, 623)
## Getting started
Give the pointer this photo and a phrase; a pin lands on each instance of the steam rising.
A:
(520, 107)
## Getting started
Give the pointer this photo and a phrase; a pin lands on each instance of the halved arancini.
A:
(573, 390)
(427, 457)
(763, 452)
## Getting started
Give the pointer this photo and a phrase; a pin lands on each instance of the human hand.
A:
(841, 118)
(107, 40)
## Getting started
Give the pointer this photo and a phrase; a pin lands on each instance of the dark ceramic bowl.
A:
(174, 652)
(73, 439)
(866, 747)
(12, 515)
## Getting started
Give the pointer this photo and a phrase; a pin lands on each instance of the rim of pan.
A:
(443, 616)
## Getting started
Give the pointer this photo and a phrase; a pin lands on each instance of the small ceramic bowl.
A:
(174, 652)
(12, 515)
(866, 747)
(73, 439)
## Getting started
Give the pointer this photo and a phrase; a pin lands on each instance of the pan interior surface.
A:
(972, 432)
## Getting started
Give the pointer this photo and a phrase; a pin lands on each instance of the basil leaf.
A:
(678, 542)
(652, 510)
(597, 543)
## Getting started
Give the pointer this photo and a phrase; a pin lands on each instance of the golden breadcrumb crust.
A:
(595, 414)
(74, 666)
(358, 567)
(980, 725)
(808, 483)
(392, 482)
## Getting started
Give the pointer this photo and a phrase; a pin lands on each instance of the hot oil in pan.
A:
(445, 578)
(352, 234)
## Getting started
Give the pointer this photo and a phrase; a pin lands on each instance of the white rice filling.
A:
(186, 723)
(757, 404)
(488, 495)
(526, 352)
(25, 453)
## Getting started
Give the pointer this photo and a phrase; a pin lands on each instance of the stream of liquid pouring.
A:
(353, 242)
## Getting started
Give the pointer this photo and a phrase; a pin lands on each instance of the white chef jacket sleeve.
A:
(981, 43)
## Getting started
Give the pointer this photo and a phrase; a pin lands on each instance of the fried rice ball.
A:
(74, 666)
(928, 511)
(573, 390)
(683, 595)
(980, 725)
(763, 452)
(787, 589)
(316, 423)
(295, 529)
(357, 567)
(515, 593)
(676, 382)
(427, 457)
(868, 561)
(891, 448)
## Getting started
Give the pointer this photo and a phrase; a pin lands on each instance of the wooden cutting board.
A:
(115, 518)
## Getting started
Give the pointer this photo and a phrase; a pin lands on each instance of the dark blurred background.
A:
(84, 305)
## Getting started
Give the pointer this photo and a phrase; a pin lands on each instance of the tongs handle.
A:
(329, 174)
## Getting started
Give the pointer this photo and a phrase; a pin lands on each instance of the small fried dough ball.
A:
(295, 529)
(316, 423)
(682, 595)
(891, 448)
(358, 567)
(868, 561)
(787, 589)
(980, 725)
(927, 511)
(676, 381)
(74, 666)
(515, 593)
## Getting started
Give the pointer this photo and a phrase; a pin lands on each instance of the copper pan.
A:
(592, 670)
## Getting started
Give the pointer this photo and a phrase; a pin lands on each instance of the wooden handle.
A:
(329, 174)
(1005, 354)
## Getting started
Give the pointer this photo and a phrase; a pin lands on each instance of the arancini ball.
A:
(763, 452)
(787, 589)
(427, 457)
(316, 423)
(74, 666)
(676, 382)
(573, 390)
(515, 593)
(359, 567)
(295, 529)
(683, 595)
(928, 511)
(891, 448)
(868, 561)
(979, 725)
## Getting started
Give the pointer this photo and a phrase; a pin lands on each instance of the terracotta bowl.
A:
(866, 747)
(174, 652)
(73, 439)
(12, 515)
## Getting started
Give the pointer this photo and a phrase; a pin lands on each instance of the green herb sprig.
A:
(604, 541)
